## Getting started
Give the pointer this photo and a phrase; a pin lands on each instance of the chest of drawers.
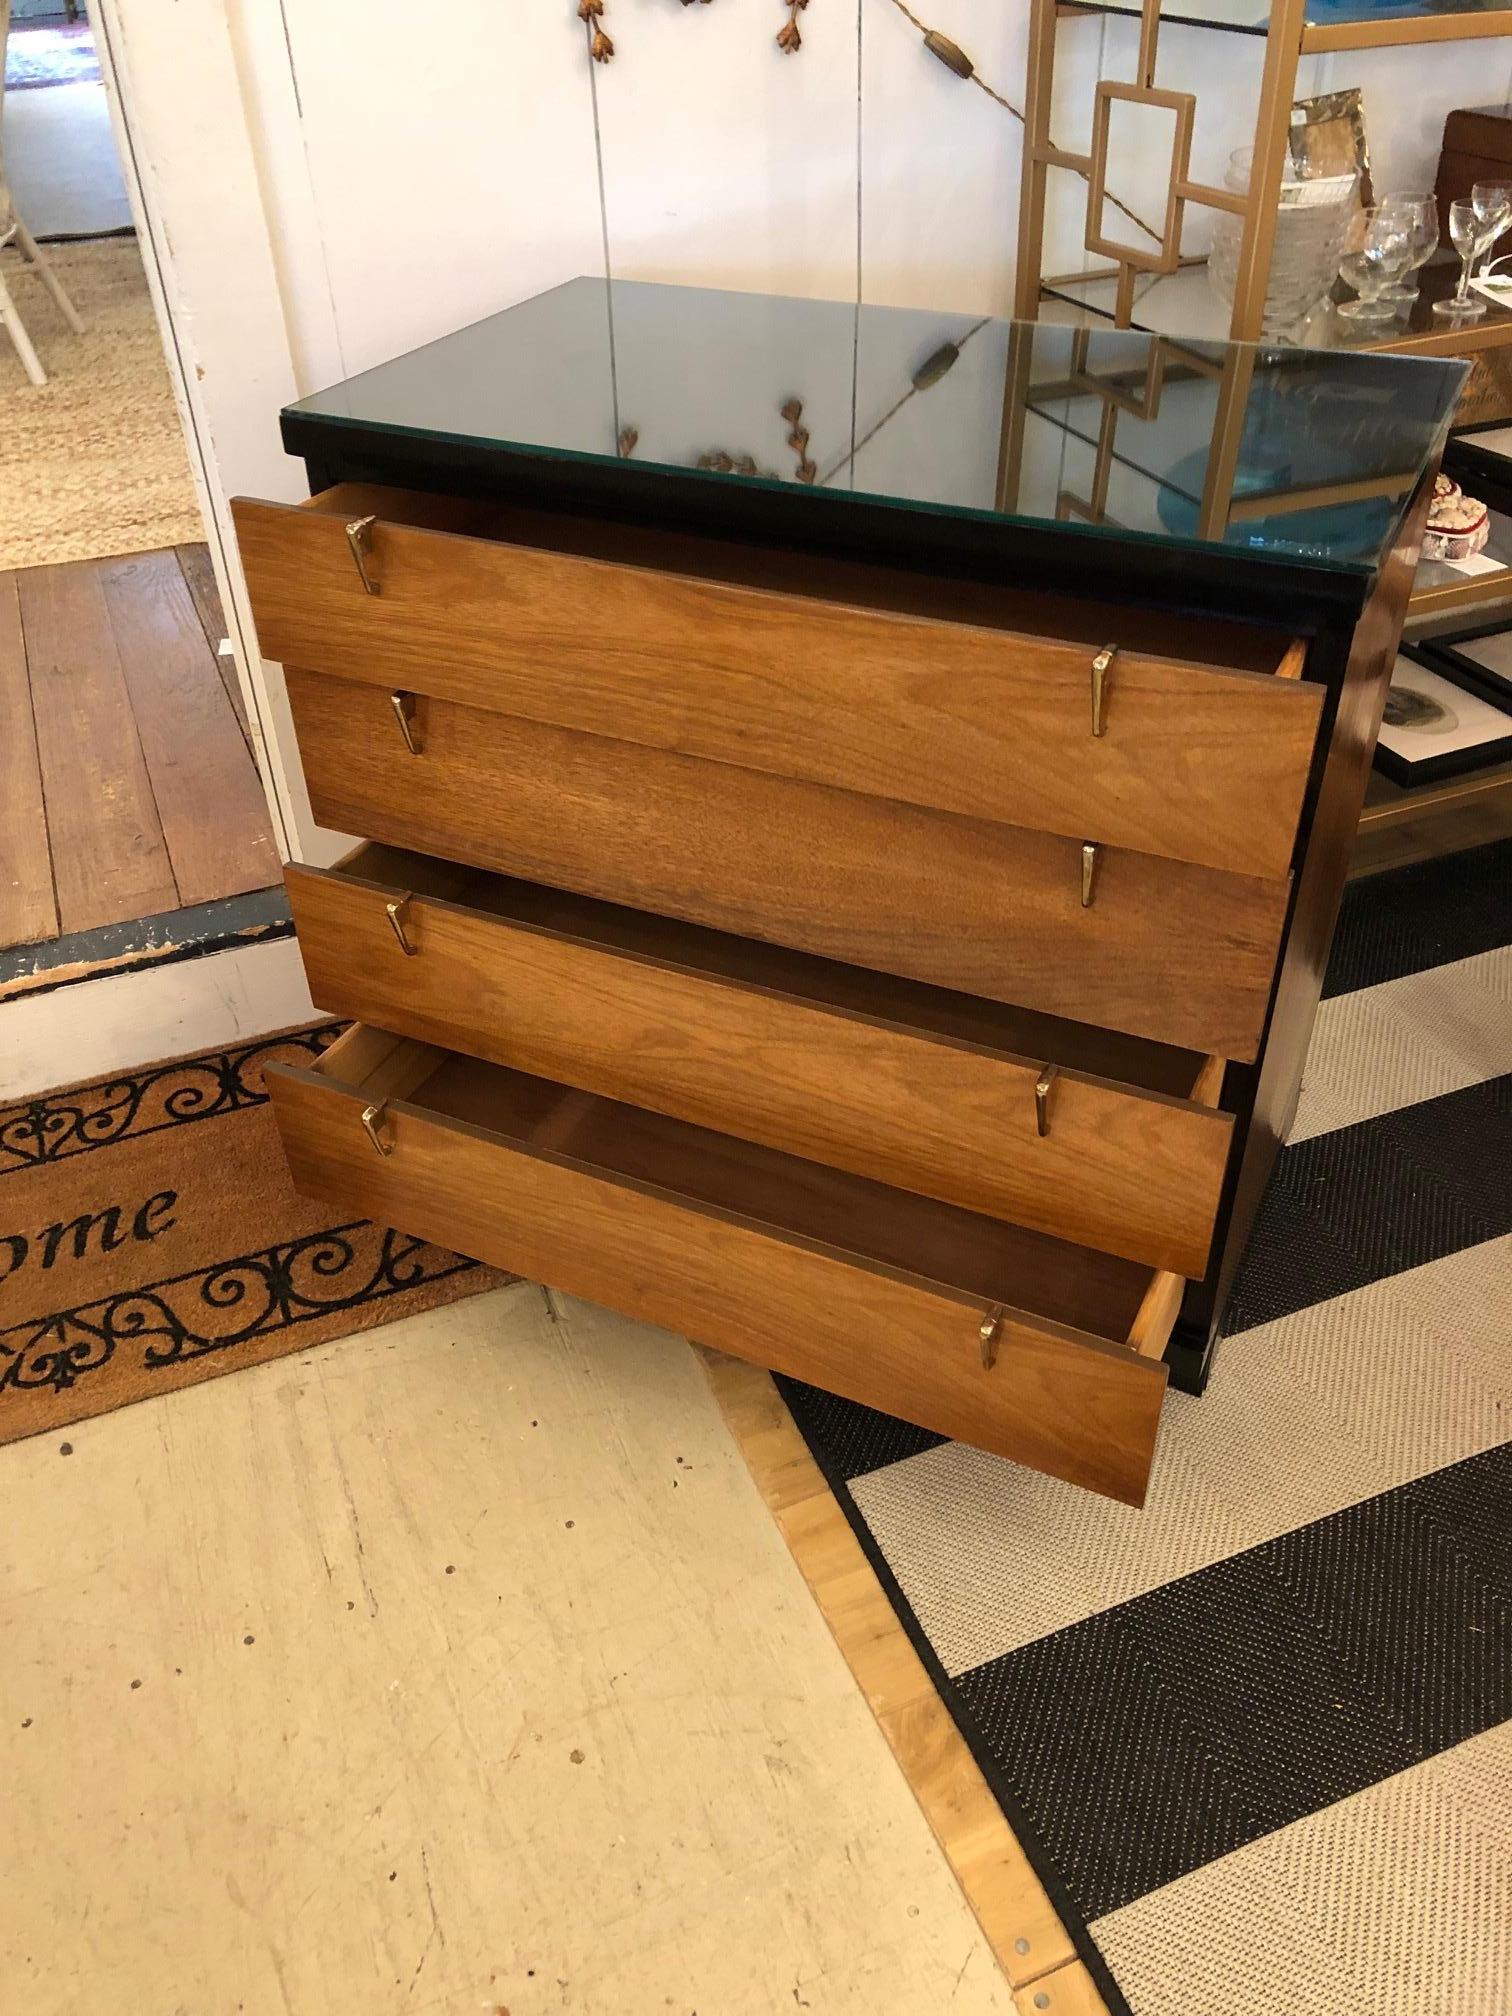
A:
(873, 939)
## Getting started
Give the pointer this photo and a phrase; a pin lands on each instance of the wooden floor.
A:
(127, 784)
(457, 1667)
(1031, 1945)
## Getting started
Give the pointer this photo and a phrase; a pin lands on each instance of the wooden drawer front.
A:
(578, 1217)
(659, 1015)
(1180, 954)
(1197, 762)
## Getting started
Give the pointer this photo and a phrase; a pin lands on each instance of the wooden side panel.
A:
(1074, 1407)
(28, 912)
(1196, 762)
(110, 862)
(1320, 889)
(1119, 1170)
(1166, 950)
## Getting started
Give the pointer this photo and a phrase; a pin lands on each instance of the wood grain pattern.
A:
(1180, 954)
(110, 861)
(1122, 1169)
(1008, 1899)
(1066, 1402)
(1198, 762)
(214, 817)
(28, 911)
(199, 578)
(1065, 1991)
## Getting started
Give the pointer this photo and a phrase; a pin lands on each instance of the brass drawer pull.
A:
(396, 914)
(403, 705)
(1047, 1078)
(1102, 665)
(372, 1121)
(989, 1332)
(1089, 872)
(360, 538)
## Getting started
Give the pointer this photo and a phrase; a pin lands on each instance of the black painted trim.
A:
(1228, 582)
(145, 942)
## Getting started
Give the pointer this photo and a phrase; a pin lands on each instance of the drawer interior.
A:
(1201, 640)
(1049, 1279)
(1157, 1069)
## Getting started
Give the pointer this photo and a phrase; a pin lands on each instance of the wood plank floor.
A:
(127, 784)
(1030, 1943)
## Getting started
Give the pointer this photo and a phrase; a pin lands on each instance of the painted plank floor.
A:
(127, 787)
(454, 1667)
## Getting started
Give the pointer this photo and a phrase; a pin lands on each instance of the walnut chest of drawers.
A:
(874, 931)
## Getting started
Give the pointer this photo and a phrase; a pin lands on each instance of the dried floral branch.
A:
(960, 64)
(590, 13)
(798, 440)
(788, 38)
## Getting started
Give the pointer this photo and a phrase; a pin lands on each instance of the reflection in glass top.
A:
(1252, 17)
(953, 414)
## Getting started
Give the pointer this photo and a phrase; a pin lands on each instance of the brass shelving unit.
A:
(1168, 296)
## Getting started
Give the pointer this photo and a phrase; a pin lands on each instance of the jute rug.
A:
(1257, 1738)
(37, 58)
(150, 1238)
(91, 463)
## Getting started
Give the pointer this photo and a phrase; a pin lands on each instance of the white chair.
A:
(14, 236)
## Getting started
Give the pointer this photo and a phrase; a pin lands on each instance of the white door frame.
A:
(191, 174)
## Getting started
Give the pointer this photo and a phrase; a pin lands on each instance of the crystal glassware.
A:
(1492, 201)
(1470, 236)
(1419, 211)
(1379, 250)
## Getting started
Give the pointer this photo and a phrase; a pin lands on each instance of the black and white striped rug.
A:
(1257, 1738)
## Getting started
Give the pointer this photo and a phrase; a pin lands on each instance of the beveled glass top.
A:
(1301, 454)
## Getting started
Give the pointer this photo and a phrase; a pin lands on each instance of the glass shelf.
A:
(1185, 303)
(1332, 24)
(916, 410)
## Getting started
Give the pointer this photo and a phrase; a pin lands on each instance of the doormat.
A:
(150, 1238)
(1256, 1738)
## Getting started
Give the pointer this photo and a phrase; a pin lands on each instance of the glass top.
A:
(958, 416)
(1252, 17)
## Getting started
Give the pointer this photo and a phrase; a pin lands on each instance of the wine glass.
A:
(1420, 214)
(1467, 233)
(1379, 253)
(1493, 206)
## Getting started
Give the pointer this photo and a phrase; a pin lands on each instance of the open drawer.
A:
(1164, 737)
(1036, 1349)
(1103, 1139)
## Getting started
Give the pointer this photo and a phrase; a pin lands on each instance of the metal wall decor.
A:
(601, 45)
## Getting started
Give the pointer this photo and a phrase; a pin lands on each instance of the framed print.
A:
(1435, 728)
(1482, 656)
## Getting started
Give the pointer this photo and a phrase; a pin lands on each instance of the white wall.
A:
(336, 181)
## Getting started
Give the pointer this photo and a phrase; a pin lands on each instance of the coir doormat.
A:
(150, 1238)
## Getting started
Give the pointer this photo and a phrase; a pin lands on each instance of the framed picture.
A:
(1327, 137)
(1480, 656)
(1434, 727)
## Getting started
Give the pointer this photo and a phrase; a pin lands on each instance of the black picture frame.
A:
(1434, 769)
(1445, 655)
